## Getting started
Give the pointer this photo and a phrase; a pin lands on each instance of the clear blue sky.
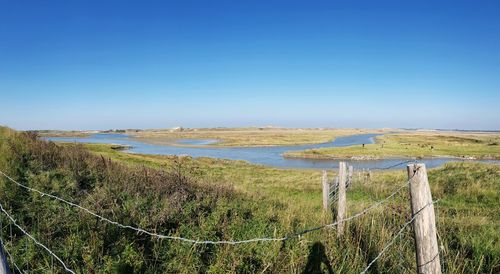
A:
(123, 64)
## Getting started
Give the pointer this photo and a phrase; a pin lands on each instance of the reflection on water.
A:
(270, 156)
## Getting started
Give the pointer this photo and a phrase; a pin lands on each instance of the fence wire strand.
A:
(430, 261)
(393, 166)
(13, 221)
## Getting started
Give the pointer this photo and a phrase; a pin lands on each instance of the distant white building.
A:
(175, 129)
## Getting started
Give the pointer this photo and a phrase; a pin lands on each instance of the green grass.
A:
(222, 199)
(477, 146)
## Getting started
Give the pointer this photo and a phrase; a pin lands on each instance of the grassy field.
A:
(249, 136)
(430, 144)
(220, 199)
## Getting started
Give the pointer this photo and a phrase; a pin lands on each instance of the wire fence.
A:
(211, 242)
(194, 241)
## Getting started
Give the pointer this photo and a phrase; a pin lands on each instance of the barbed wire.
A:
(233, 242)
(35, 240)
(397, 236)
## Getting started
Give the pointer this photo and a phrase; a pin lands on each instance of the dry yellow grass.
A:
(250, 136)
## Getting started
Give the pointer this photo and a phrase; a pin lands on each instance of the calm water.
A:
(270, 156)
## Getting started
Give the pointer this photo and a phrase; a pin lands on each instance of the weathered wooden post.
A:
(351, 172)
(4, 266)
(333, 193)
(424, 225)
(326, 190)
(341, 208)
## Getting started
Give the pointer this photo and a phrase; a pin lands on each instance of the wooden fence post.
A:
(351, 172)
(424, 225)
(4, 266)
(326, 190)
(341, 209)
